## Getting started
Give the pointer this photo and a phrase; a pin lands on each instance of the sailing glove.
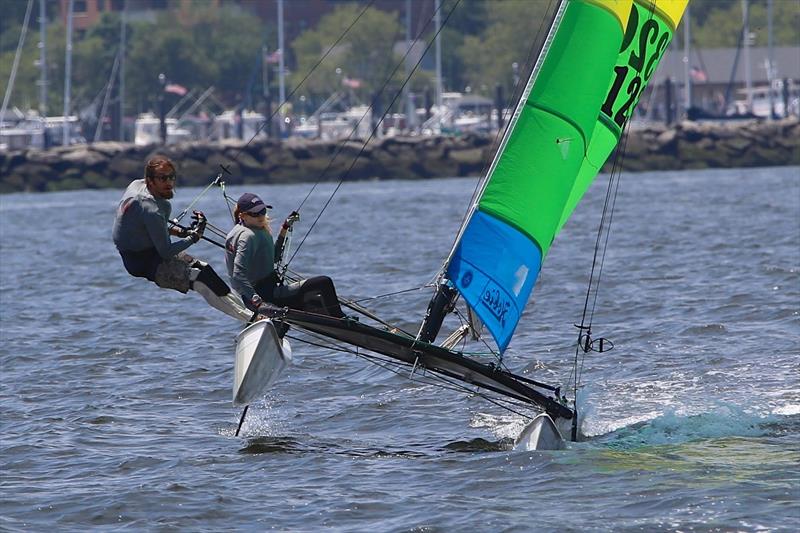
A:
(293, 217)
(199, 221)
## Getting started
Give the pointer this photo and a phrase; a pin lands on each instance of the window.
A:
(79, 6)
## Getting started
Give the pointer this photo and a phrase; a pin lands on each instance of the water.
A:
(116, 408)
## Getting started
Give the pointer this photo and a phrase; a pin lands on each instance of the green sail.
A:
(536, 172)
(499, 253)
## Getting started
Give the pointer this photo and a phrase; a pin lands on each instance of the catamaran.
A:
(591, 71)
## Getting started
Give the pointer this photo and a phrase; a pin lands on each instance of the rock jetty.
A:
(688, 145)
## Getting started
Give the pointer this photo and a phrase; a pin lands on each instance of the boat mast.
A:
(122, 44)
(42, 60)
(770, 71)
(282, 73)
(406, 92)
(747, 76)
(687, 97)
(438, 19)
(67, 76)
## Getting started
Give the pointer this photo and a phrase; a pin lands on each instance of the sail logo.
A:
(498, 305)
(466, 279)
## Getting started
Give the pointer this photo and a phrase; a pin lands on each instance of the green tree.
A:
(514, 33)
(718, 23)
(231, 40)
(161, 48)
(365, 53)
(468, 19)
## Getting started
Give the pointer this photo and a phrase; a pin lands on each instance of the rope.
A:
(378, 124)
(603, 234)
(388, 294)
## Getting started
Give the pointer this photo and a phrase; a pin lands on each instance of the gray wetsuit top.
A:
(141, 223)
(250, 258)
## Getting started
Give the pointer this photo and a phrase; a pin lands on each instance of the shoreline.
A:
(687, 145)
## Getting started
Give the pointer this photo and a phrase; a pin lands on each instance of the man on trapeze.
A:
(251, 255)
(142, 237)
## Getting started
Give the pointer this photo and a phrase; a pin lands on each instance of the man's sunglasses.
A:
(170, 177)
(257, 213)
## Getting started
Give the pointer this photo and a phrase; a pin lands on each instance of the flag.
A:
(697, 75)
(174, 88)
(274, 57)
(352, 83)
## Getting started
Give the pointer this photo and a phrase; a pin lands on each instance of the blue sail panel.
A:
(494, 267)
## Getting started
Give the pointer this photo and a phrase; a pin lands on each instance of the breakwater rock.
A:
(688, 145)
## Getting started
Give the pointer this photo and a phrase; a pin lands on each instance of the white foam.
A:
(791, 409)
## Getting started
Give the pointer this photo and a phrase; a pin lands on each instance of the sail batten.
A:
(562, 131)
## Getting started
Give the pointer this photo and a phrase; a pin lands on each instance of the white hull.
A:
(540, 434)
(261, 357)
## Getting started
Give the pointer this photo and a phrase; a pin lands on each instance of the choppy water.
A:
(115, 395)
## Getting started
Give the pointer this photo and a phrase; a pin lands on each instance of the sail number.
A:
(637, 62)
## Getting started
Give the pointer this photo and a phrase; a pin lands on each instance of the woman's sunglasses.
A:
(257, 213)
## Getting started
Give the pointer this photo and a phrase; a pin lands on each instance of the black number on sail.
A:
(634, 73)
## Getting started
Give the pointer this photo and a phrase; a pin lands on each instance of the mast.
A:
(122, 46)
(42, 60)
(770, 70)
(687, 96)
(748, 81)
(406, 92)
(67, 76)
(282, 73)
(438, 19)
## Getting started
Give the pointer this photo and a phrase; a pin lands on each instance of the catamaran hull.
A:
(261, 357)
(540, 434)
(426, 357)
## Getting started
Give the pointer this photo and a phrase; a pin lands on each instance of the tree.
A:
(718, 23)
(231, 40)
(514, 34)
(159, 48)
(364, 54)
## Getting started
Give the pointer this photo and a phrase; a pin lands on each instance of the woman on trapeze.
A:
(251, 254)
